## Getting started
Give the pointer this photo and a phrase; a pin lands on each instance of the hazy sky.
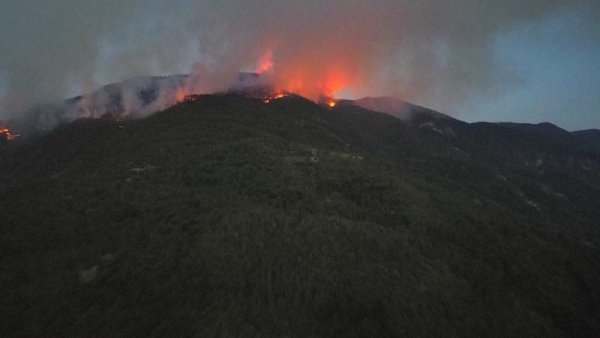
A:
(505, 60)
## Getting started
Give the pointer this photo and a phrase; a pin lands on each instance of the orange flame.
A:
(180, 95)
(8, 135)
(266, 63)
(276, 96)
(311, 76)
(183, 97)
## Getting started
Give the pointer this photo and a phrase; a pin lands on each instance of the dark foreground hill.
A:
(227, 216)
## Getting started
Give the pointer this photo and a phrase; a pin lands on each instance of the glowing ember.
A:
(276, 96)
(181, 95)
(6, 134)
(191, 98)
(327, 101)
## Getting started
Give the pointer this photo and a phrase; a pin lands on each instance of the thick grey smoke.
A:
(431, 51)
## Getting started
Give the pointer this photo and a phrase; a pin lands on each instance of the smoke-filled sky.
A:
(505, 60)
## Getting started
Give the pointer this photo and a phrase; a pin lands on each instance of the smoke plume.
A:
(433, 52)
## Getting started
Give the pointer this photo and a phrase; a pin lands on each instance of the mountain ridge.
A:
(143, 95)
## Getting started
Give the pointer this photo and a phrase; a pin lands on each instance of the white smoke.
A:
(428, 51)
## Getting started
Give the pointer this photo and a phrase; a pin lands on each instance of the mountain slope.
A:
(589, 140)
(136, 97)
(224, 215)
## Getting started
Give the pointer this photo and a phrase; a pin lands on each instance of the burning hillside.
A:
(143, 96)
(308, 77)
(437, 54)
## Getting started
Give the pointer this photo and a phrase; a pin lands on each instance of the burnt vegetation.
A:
(224, 215)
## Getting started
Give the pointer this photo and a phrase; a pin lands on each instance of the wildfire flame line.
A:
(8, 135)
(276, 96)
